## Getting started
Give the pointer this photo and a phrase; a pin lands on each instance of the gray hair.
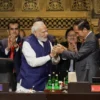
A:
(36, 26)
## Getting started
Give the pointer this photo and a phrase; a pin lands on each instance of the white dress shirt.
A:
(71, 65)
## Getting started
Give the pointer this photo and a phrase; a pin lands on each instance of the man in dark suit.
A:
(2, 54)
(87, 58)
(12, 46)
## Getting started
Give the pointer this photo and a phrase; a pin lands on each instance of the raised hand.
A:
(72, 47)
(13, 39)
(9, 43)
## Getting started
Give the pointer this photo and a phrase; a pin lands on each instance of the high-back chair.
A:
(6, 73)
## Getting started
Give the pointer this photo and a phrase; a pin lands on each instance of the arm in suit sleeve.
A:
(84, 51)
(2, 53)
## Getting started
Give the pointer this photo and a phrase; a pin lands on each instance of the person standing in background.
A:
(73, 45)
(12, 47)
(12, 44)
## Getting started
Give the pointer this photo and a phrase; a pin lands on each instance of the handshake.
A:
(57, 49)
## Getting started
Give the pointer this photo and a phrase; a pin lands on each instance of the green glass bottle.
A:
(49, 83)
(66, 78)
(56, 82)
(53, 77)
(53, 88)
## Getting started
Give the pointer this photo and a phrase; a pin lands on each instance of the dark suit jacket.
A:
(87, 59)
(2, 53)
(17, 55)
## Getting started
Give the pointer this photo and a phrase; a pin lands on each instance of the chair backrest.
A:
(6, 65)
(6, 71)
(4, 42)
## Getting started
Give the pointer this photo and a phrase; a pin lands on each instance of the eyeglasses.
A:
(13, 28)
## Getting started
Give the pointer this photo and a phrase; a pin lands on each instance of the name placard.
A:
(95, 88)
(1, 87)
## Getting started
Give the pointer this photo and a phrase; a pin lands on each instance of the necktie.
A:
(12, 52)
(12, 55)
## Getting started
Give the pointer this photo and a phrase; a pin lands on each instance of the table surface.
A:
(49, 96)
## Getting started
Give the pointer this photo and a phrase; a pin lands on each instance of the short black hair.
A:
(13, 22)
(38, 19)
(67, 31)
(83, 23)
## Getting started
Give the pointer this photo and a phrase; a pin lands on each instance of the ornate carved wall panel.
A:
(30, 5)
(97, 6)
(52, 23)
(6, 5)
(54, 5)
(96, 9)
(80, 5)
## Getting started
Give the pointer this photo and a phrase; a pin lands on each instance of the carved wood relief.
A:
(30, 5)
(80, 5)
(54, 5)
(6, 5)
(97, 6)
(51, 22)
(96, 9)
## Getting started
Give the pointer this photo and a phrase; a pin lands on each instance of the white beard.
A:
(42, 39)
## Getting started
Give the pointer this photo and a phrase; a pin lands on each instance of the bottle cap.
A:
(56, 74)
(49, 75)
(53, 72)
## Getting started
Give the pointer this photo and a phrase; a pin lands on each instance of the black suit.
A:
(87, 59)
(64, 65)
(2, 53)
(17, 59)
(17, 54)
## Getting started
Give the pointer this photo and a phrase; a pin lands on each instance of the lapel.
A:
(18, 39)
(89, 37)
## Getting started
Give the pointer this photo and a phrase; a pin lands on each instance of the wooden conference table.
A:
(49, 96)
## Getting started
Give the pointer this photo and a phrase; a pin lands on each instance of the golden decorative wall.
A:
(80, 5)
(52, 23)
(30, 5)
(58, 14)
(7, 5)
(54, 5)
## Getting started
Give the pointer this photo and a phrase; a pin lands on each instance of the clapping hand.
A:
(72, 47)
(12, 41)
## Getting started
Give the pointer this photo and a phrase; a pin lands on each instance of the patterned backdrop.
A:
(52, 23)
